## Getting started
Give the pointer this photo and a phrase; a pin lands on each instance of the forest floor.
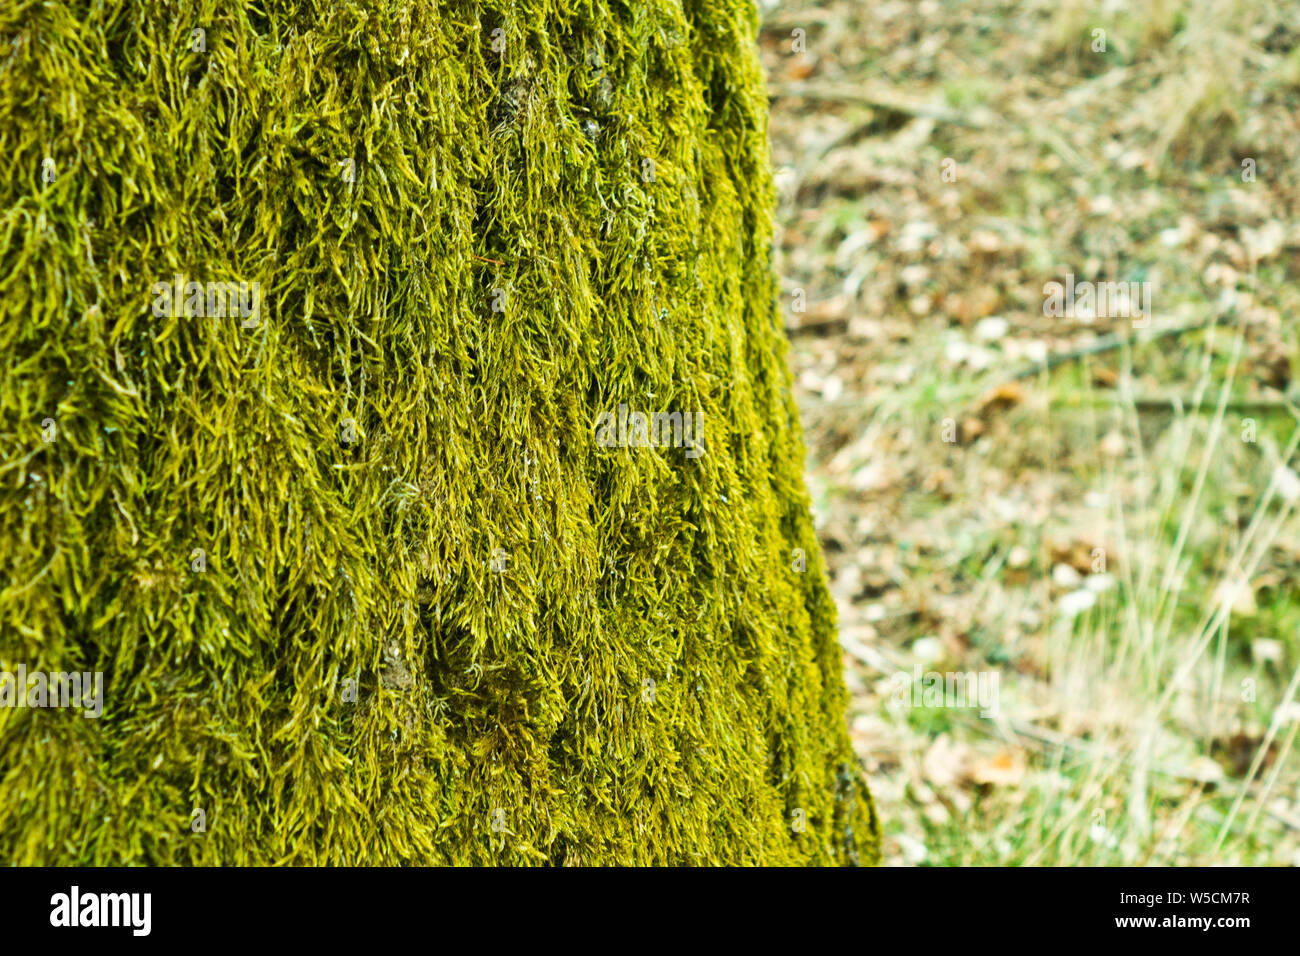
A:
(1093, 515)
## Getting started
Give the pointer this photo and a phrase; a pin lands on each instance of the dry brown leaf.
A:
(1005, 396)
(1006, 768)
(1104, 377)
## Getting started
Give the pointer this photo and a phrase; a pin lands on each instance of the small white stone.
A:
(1098, 583)
(1266, 649)
(992, 328)
(956, 351)
(927, 649)
(1287, 482)
(1064, 576)
(1076, 602)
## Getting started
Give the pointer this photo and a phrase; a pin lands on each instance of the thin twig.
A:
(1106, 343)
(1042, 735)
(1265, 402)
(877, 99)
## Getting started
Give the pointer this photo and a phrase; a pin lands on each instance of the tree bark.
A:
(327, 335)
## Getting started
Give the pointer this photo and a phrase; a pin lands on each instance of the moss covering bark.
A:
(474, 229)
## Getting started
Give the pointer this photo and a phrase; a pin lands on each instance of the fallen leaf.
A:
(1006, 768)
(1104, 377)
(945, 762)
(1005, 396)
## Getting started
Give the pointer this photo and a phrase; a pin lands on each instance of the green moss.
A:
(566, 653)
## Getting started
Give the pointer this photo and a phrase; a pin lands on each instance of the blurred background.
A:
(1099, 514)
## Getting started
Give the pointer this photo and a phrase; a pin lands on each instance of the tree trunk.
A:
(397, 414)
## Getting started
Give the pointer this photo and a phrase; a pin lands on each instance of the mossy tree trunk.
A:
(375, 556)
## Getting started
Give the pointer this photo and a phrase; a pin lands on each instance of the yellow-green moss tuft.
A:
(473, 229)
